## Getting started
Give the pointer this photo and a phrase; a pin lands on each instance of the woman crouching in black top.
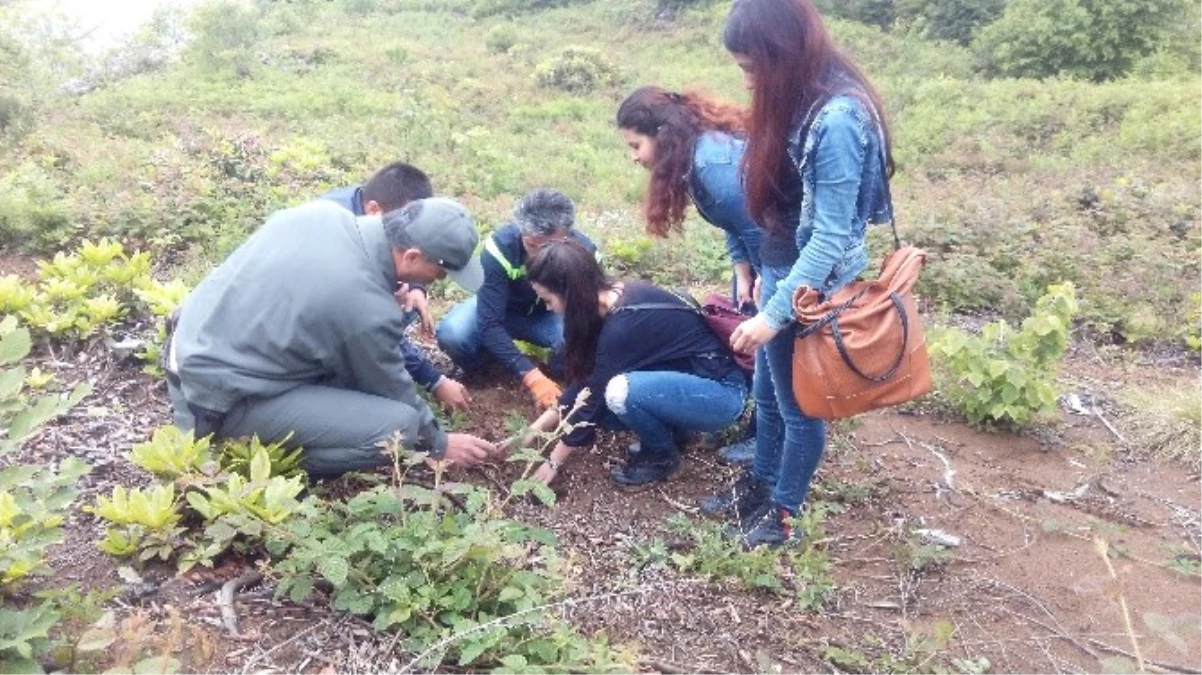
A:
(647, 359)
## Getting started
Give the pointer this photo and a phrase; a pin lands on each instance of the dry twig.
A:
(225, 599)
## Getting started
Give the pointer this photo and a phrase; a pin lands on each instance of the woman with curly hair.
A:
(693, 147)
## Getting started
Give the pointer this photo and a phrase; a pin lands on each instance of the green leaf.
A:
(96, 639)
(510, 593)
(11, 382)
(334, 569)
(472, 651)
(15, 346)
(157, 664)
(260, 466)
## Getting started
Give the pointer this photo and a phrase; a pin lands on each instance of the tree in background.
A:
(224, 34)
(1091, 39)
(952, 20)
(879, 13)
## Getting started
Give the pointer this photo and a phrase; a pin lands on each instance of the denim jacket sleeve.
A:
(841, 137)
(736, 249)
(721, 200)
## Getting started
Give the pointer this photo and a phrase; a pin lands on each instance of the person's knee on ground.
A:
(454, 335)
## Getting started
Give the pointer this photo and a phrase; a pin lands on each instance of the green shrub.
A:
(952, 20)
(1193, 329)
(429, 573)
(1004, 376)
(879, 13)
(1091, 39)
(34, 499)
(501, 38)
(34, 215)
(485, 8)
(577, 70)
(225, 34)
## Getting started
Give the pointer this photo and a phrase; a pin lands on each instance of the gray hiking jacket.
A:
(307, 299)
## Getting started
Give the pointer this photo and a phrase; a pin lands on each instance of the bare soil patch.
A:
(1026, 588)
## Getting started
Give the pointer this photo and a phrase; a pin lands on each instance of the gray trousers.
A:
(340, 430)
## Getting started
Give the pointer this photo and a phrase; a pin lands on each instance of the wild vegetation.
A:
(1048, 160)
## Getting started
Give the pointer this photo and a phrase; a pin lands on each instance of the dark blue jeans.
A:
(789, 445)
(459, 335)
(653, 404)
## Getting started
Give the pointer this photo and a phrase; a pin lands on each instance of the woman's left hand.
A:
(750, 334)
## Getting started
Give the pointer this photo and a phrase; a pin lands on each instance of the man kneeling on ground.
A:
(295, 335)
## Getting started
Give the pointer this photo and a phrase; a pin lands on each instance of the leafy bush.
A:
(486, 8)
(20, 416)
(879, 13)
(234, 507)
(468, 586)
(237, 456)
(1092, 39)
(501, 38)
(1193, 330)
(577, 70)
(33, 213)
(224, 35)
(804, 573)
(1004, 376)
(952, 20)
(33, 505)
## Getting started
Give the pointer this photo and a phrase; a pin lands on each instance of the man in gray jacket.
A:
(295, 335)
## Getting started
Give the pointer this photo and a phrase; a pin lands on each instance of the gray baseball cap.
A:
(443, 231)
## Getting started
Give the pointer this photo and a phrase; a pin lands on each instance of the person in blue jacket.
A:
(506, 308)
(388, 189)
(816, 175)
(693, 146)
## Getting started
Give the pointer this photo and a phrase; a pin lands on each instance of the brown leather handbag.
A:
(865, 347)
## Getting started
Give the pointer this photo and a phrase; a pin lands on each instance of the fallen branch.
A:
(949, 473)
(225, 599)
(1168, 667)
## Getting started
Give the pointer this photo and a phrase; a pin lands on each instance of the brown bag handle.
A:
(901, 355)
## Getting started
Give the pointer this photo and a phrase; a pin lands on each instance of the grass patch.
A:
(1167, 422)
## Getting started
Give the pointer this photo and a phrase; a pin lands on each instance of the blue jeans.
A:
(653, 404)
(460, 337)
(789, 444)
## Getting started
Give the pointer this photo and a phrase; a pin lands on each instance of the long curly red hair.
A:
(674, 121)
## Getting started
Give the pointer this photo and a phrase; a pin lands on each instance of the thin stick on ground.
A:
(225, 599)
(1169, 667)
(1103, 550)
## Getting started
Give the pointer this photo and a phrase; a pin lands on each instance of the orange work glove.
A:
(543, 388)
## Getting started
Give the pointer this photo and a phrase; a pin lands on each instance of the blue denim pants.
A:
(459, 335)
(654, 404)
(789, 444)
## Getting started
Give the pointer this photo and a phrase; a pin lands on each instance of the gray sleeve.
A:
(372, 362)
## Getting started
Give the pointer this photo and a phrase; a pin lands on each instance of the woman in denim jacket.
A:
(817, 167)
(693, 146)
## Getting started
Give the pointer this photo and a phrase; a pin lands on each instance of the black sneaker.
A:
(738, 454)
(681, 437)
(771, 528)
(644, 468)
(742, 499)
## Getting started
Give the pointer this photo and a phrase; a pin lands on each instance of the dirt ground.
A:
(1025, 588)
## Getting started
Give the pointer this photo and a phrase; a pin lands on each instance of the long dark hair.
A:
(674, 121)
(569, 270)
(796, 69)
